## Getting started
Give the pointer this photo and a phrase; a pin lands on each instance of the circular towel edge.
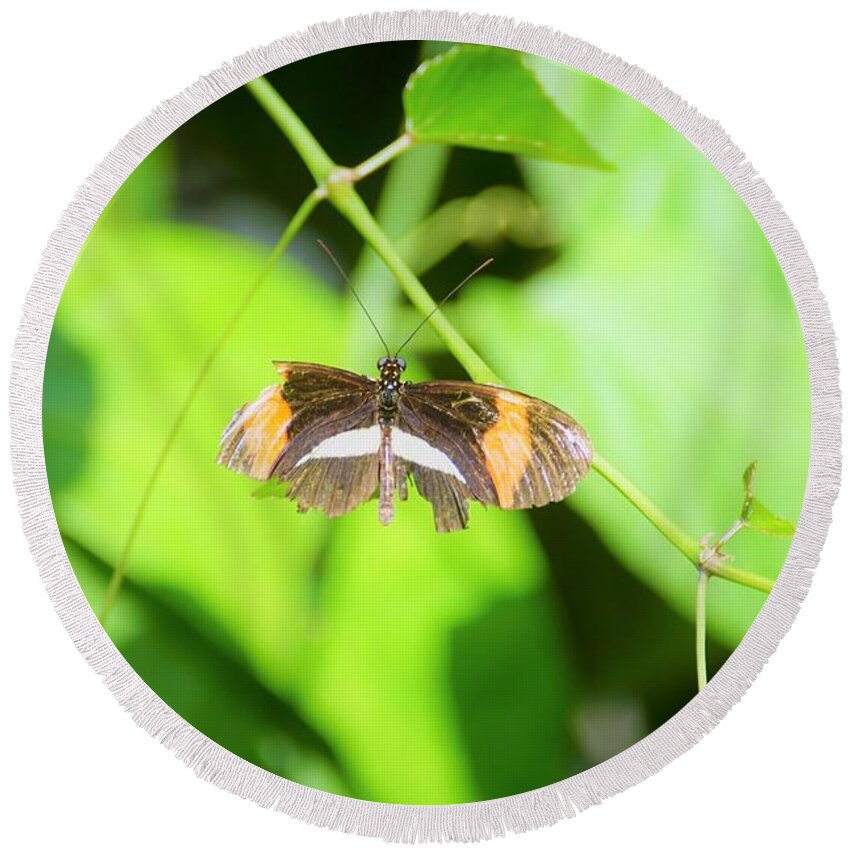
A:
(393, 822)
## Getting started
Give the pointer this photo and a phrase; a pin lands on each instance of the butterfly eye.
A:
(382, 362)
(402, 363)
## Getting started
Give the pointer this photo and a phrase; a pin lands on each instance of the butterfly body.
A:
(337, 438)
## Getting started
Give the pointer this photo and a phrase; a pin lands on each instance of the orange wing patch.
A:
(257, 435)
(507, 447)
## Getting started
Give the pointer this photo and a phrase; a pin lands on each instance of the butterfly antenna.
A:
(347, 279)
(443, 301)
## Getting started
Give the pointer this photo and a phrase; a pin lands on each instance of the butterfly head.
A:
(391, 368)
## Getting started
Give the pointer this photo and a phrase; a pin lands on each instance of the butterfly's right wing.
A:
(492, 445)
(317, 431)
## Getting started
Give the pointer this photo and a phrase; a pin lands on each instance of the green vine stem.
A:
(738, 576)
(702, 592)
(338, 188)
(295, 224)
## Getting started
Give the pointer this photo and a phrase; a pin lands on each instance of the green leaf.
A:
(756, 516)
(761, 519)
(488, 97)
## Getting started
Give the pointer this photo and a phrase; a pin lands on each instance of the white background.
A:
(77, 76)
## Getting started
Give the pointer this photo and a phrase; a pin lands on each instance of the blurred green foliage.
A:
(395, 664)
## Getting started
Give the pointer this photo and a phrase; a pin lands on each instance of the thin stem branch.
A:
(730, 533)
(738, 576)
(702, 668)
(382, 157)
(336, 184)
(295, 224)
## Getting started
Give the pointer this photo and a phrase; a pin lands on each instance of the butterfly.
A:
(336, 439)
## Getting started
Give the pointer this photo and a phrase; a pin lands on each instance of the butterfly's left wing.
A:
(316, 430)
(489, 444)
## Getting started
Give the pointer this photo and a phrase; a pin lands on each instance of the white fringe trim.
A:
(470, 821)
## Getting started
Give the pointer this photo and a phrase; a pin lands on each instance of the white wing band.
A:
(354, 443)
(367, 441)
(418, 451)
